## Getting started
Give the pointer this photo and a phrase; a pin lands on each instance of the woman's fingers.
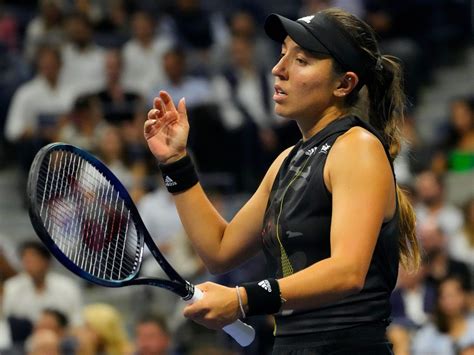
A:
(182, 107)
(167, 100)
(149, 128)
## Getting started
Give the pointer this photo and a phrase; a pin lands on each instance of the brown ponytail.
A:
(382, 100)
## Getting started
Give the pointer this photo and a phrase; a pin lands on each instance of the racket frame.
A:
(176, 283)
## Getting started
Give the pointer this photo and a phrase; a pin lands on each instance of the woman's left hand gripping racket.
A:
(86, 218)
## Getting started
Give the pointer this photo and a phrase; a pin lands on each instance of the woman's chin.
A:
(280, 111)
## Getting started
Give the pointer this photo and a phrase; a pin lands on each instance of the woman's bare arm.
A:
(222, 245)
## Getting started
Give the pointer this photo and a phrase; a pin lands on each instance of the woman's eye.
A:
(301, 61)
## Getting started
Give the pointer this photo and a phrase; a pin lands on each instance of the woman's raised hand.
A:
(166, 129)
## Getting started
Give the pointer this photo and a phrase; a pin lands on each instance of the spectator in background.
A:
(7, 270)
(242, 23)
(452, 327)
(152, 336)
(461, 244)
(118, 103)
(37, 106)
(114, 27)
(432, 205)
(392, 21)
(243, 93)
(84, 61)
(58, 323)
(143, 55)
(104, 331)
(439, 263)
(37, 288)
(178, 83)
(193, 27)
(84, 125)
(111, 150)
(414, 298)
(412, 303)
(458, 141)
(46, 28)
(44, 342)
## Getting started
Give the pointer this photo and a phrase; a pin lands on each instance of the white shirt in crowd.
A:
(37, 33)
(195, 90)
(460, 249)
(249, 93)
(21, 299)
(84, 69)
(33, 99)
(430, 341)
(143, 67)
(449, 218)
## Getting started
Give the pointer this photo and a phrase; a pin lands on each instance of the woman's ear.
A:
(347, 83)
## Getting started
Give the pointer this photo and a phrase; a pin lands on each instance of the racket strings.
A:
(86, 217)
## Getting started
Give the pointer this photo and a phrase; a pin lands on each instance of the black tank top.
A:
(296, 234)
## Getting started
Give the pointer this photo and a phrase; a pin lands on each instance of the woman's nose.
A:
(279, 69)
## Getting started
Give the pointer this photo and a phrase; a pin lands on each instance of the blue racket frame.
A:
(176, 283)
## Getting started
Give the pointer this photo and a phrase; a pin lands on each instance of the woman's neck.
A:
(310, 128)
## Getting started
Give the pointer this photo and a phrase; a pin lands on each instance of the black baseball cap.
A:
(318, 33)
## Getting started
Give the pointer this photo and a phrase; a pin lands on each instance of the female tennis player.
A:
(328, 214)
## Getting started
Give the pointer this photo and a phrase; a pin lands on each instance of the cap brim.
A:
(278, 27)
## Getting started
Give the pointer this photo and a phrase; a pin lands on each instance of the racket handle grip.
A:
(243, 333)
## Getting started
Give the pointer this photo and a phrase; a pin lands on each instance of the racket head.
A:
(80, 210)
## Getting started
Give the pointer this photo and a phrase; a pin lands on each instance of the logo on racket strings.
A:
(170, 182)
(265, 284)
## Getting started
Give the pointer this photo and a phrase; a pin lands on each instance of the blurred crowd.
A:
(85, 72)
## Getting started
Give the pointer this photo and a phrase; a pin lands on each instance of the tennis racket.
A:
(88, 221)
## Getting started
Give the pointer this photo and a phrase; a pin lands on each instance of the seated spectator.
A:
(439, 263)
(431, 203)
(84, 126)
(111, 150)
(37, 288)
(178, 83)
(392, 21)
(414, 299)
(7, 269)
(452, 327)
(45, 28)
(104, 331)
(152, 336)
(242, 23)
(36, 107)
(192, 24)
(243, 93)
(458, 141)
(44, 342)
(461, 244)
(57, 322)
(412, 303)
(113, 29)
(84, 61)
(143, 55)
(118, 104)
